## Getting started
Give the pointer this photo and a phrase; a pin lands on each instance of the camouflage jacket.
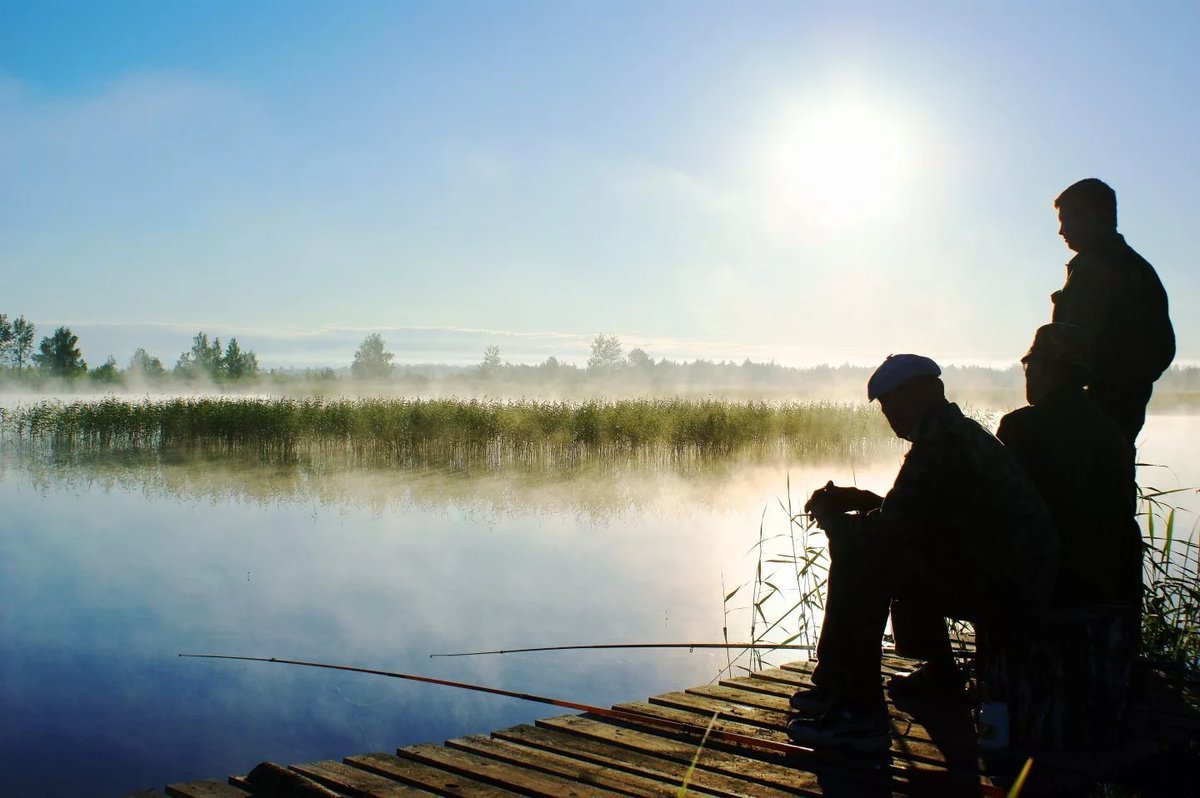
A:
(1115, 295)
(1084, 468)
(961, 499)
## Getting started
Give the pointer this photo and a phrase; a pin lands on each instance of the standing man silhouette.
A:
(1114, 295)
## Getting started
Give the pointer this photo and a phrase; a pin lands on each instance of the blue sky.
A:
(799, 181)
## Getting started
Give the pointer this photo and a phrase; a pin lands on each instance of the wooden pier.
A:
(933, 752)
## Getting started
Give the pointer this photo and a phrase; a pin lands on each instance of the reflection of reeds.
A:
(418, 431)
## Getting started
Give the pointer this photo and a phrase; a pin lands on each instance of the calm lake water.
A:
(109, 570)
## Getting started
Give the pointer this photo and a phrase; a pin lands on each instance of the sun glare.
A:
(836, 165)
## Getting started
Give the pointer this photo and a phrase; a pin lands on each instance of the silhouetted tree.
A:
(107, 373)
(325, 374)
(638, 359)
(5, 339)
(144, 364)
(491, 361)
(606, 353)
(203, 358)
(372, 361)
(21, 346)
(237, 364)
(59, 354)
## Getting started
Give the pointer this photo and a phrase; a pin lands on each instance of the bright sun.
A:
(837, 165)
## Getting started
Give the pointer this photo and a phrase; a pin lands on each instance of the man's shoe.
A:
(843, 727)
(811, 702)
(928, 681)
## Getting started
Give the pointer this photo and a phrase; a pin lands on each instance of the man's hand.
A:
(832, 500)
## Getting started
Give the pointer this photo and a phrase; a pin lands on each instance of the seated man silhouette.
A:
(962, 533)
(1083, 466)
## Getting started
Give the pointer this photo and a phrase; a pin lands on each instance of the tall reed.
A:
(787, 592)
(1171, 579)
(421, 431)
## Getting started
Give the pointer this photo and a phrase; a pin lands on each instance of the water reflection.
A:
(108, 569)
(595, 491)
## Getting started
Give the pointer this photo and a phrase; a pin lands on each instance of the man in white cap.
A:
(962, 533)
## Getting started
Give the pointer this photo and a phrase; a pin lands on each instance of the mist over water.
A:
(112, 565)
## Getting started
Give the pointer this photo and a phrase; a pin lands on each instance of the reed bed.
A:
(424, 431)
(1171, 600)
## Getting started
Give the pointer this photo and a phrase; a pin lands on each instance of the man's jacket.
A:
(1115, 295)
(961, 499)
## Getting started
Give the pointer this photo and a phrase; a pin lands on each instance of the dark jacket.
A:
(1115, 295)
(1084, 469)
(962, 499)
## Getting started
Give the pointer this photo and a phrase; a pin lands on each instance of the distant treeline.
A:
(58, 360)
(609, 371)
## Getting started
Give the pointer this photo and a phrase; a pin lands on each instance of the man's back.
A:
(1116, 297)
(960, 495)
(1084, 468)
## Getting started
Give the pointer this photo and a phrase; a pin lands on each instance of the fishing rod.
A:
(688, 646)
(625, 715)
(620, 715)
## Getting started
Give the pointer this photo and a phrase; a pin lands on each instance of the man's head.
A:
(908, 387)
(1087, 213)
(1060, 357)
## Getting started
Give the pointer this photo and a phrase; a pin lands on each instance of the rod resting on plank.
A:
(627, 716)
(620, 715)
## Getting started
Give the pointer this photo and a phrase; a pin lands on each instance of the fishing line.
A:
(625, 715)
(584, 647)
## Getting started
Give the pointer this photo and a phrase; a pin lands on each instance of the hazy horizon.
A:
(334, 347)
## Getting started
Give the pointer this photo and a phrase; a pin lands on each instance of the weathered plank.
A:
(670, 771)
(903, 723)
(419, 775)
(517, 779)
(908, 738)
(205, 788)
(737, 695)
(916, 753)
(277, 780)
(727, 709)
(792, 678)
(720, 772)
(559, 763)
(871, 772)
(889, 663)
(355, 781)
(699, 719)
(764, 686)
